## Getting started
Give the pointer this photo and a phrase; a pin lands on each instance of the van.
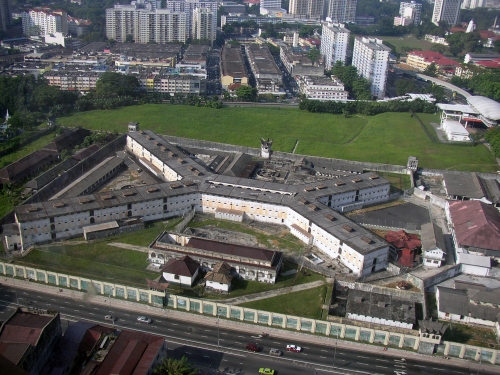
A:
(252, 347)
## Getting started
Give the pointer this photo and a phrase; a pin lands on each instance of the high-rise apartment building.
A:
(371, 58)
(334, 42)
(203, 25)
(472, 4)
(42, 21)
(5, 15)
(188, 7)
(266, 5)
(447, 11)
(340, 11)
(311, 9)
(160, 26)
(411, 10)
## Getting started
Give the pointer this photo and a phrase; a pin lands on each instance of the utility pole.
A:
(335, 352)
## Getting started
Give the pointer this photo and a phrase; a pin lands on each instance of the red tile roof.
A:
(476, 224)
(406, 257)
(186, 266)
(401, 239)
(24, 328)
(434, 57)
(489, 63)
(133, 353)
(14, 351)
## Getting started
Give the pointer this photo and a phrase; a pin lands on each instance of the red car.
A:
(293, 348)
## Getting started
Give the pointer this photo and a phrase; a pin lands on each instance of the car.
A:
(252, 347)
(293, 348)
(275, 352)
(109, 317)
(143, 319)
(266, 371)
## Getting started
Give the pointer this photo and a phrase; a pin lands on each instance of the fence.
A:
(216, 309)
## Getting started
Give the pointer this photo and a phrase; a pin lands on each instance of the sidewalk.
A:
(249, 328)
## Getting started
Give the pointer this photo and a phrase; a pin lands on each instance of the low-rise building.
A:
(471, 186)
(73, 81)
(181, 271)
(422, 59)
(433, 245)
(322, 88)
(267, 75)
(219, 278)
(238, 17)
(232, 67)
(297, 63)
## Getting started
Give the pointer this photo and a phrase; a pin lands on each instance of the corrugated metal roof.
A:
(486, 106)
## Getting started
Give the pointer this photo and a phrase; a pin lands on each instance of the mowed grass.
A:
(406, 41)
(306, 303)
(386, 138)
(99, 260)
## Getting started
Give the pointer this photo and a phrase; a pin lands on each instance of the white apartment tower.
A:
(203, 24)
(42, 21)
(472, 4)
(188, 7)
(269, 4)
(446, 10)
(412, 10)
(334, 42)
(312, 9)
(160, 26)
(341, 11)
(371, 58)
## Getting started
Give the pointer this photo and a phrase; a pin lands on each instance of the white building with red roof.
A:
(422, 59)
(181, 271)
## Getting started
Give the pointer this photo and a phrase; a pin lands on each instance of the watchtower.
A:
(133, 127)
(265, 148)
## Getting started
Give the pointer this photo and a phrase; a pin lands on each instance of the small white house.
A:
(181, 271)
(473, 264)
(455, 131)
(433, 245)
(219, 278)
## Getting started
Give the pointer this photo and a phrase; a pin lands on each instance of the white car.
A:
(293, 348)
(143, 319)
(109, 317)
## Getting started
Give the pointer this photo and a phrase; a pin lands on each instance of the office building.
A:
(203, 25)
(371, 58)
(42, 21)
(5, 15)
(310, 9)
(340, 11)
(447, 11)
(334, 42)
(411, 11)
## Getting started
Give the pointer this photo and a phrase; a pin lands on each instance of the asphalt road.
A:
(200, 342)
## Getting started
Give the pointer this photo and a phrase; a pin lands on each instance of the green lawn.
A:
(398, 181)
(306, 303)
(406, 41)
(98, 260)
(385, 138)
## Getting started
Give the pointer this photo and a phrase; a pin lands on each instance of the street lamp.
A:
(218, 327)
(335, 352)
(111, 292)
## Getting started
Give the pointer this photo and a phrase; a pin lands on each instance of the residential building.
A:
(269, 5)
(334, 43)
(310, 9)
(340, 11)
(234, 7)
(73, 81)
(322, 88)
(171, 83)
(402, 21)
(447, 11)
(422, 59)
(203, 25)
(267, 74)
(371, 58)
(472, 4)
(28, 339)
(42, 21)
(144, 26)
(236, 17)
(469, 300)
(411, 10)
(433, 245)
(188, 7)
(219, 278)
(232, 67)
(297, 63)
(181, 271)
(5, 15)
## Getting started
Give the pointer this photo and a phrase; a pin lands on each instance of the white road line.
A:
(205, 337)
(242, 336)
(362, 356)
(303, 353)
(126, 314)
(321, 356)
(381, 366)
(341, 353)
(274, 342)
(236, 355)
(169, 329)
(364, 364)
(91, 313)
(419, 366)
(382, 360)
(221, 339)
(324, 350)
(39, 297)
(223, 333)
(77, 310)
(440, 369)
(66, 302)
(207, 330)
(52, 299)
(158, 321)
(95, 308)
(174, 324)
(81, 305)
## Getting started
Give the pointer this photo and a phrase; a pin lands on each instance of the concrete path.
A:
(272, 293)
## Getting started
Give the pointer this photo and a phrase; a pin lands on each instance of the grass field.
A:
(385, 138)
(306, 303)
(407, 41)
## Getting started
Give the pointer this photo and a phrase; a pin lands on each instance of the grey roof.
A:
(432, 237)
(42, 180)
(471, 185)
(453, 301)
(487, 107)
(474, 260)
(431, 326)
(237, 166)
(381, 306)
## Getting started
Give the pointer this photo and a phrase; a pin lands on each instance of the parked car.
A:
(252, 347)
(293, 348)
(109, 317)
(275, 352)
(266, 371)
(143, 319)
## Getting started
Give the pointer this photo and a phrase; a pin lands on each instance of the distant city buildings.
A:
(340, 11)
(42, 21)
(472, 4)
(5, 14)
(203, 25)
(371, 58)
(409, 13)
(334, 42)
(447, 11)
(311, 9)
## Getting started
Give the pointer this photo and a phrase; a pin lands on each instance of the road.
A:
(199, 342)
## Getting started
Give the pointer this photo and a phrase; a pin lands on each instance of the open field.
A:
(399, 182)
(385, 138)
(406, 41)
(306, 303)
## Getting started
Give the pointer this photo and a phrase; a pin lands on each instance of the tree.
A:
(129, 39)
(404, 86)
(246, 93)
(171, 366)
(361, 89)
(439, 48)
(431, 70)
(112, 84)
(313, 55)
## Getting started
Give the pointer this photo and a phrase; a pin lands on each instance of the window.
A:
(176, 277)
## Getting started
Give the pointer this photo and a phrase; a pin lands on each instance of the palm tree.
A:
(171, 366)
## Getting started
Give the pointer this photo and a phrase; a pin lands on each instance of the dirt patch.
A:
(394, 284)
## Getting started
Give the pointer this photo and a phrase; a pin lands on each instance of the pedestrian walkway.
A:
(272, 293)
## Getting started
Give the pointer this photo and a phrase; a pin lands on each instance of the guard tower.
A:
(133, 127)
(265, 148)
(412, 164)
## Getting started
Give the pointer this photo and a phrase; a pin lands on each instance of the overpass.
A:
(445, 84)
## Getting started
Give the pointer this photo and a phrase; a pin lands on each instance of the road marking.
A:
(207, 330)
(158, 321)
(274, 342)
(242, 337)
(81, 305)
(321, 356)
(223, 333)
(169, 329)
(324, 350)
(66, 302)
(187, 352)
(52, 299)
(419, 366)
(174, 324)
(382, 360)
(440, 369)
(342, 354)
(126, 314)
(362, 356)
(77, 310)
(205, 337)
(91, 313)
(95, 308)
(381, 366)
(37, 296)
(364, 364)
